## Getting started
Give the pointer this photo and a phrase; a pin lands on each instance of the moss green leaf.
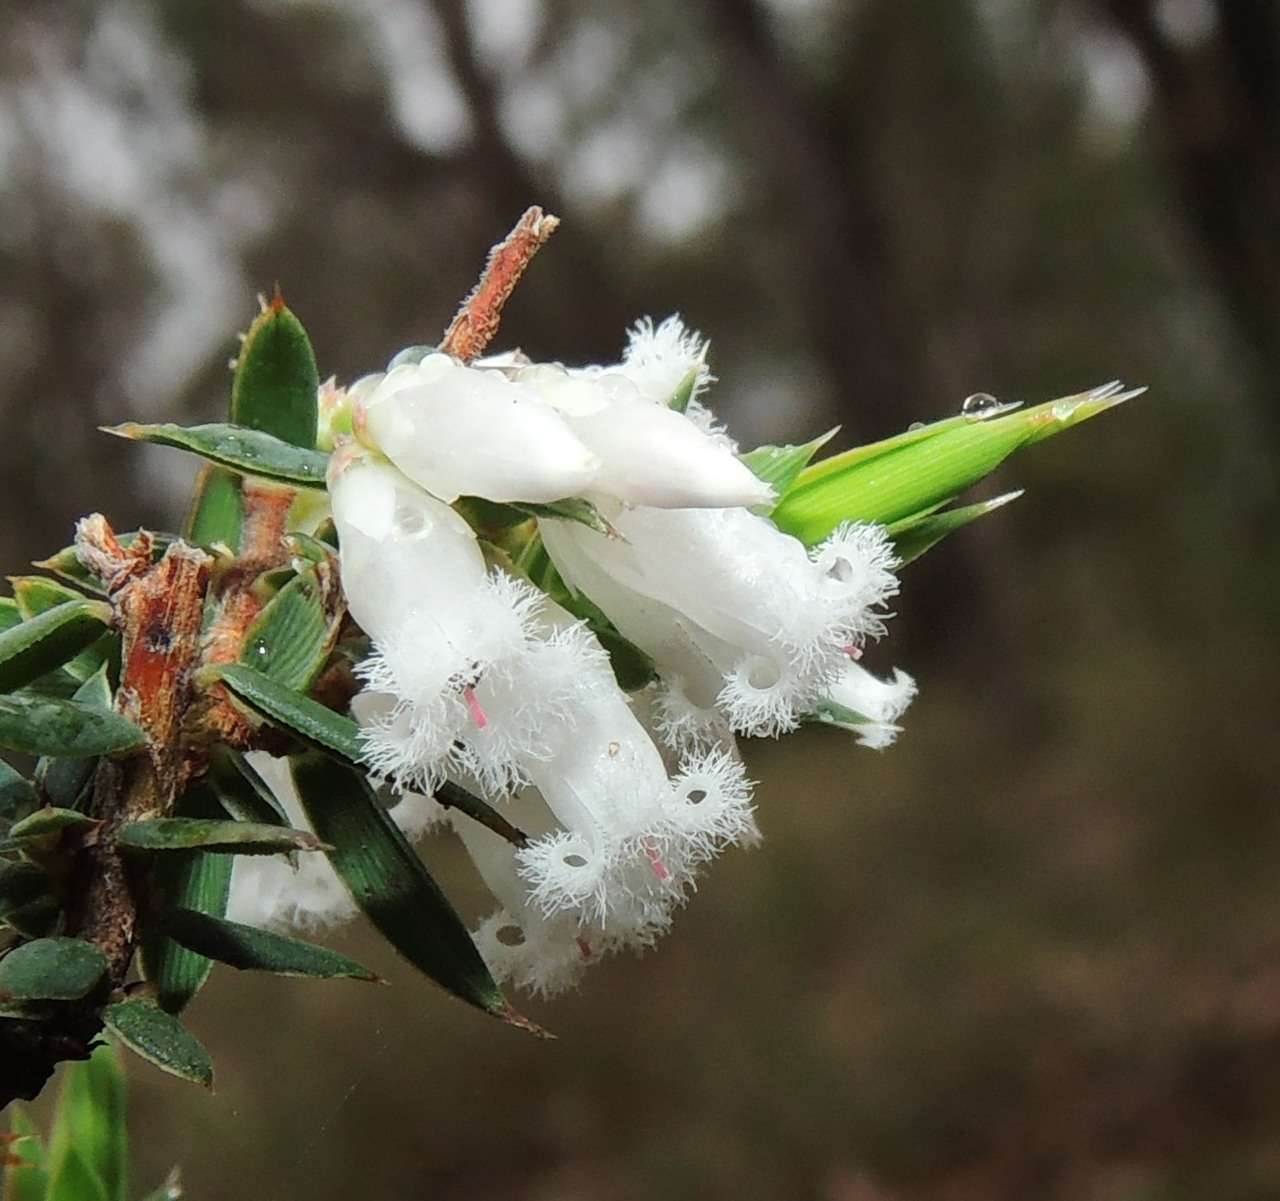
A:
(241, 791)
(51, 969)
(201, 834)
(17, 794)
(40, 725)
(159, 1038)
(64, 782)
(291, 638)
(198, 880)
(391, 885)
(239, 448)
(251, 949)
(32, 648)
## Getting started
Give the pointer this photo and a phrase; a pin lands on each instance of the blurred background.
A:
(1031, 952)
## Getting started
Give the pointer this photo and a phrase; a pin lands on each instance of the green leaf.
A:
(36, 595)
(251, 949)
(230, 837)
(239, 448)
(51, 969)
(291, 638)
(275, 384)
(894, 479)
(242, 792)
(160, 1039)
(199, 880)
(72, 1178)
(22, 884)
(779, 466)
(17, 794)
(63, 782)
(684, 392)
(50, 823)
(90, 1125)
(389, 883)
(311, 721)
(10, 614)
(572, 508)
(339, 738)
(39, 725)
(29, 650)
(914, 535)
(218, 511)
(29, 1181)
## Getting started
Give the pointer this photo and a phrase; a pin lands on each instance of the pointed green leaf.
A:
(889, 481)
(389, 883)
(90, 1124)
(230, 837)
(39, 725)
(684, 392)
(29, 650)
(36, 595)
(17, 794)
(73, 1178)
(22, 884)
(779, 466)
(243, 450)
(50, 822)
(276, 381)
(339, 738)
(311, 721)
(51, 969)
(28, 1181)
(251, 949)
(160, 1039)
(291, 638)
(915, 535)
(42, 918)
(199, 880)
(572, 508)
(64, 782)
(242, 792)
(10, 614)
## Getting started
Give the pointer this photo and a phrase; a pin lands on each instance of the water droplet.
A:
(260, 648)
(979, 406)
(1063, 409)
(915, 425)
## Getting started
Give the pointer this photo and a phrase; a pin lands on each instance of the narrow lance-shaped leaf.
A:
(199, 880)
(391, 885)
(218, 510)
(241, 791)
(22, 884)
(40, 725)
(35, 594)
(779, 466)
(29, 650)
(239, 448)
(73, 1178)
(913, 536)
(339, 738)
(250, 949)
(50, 822)
(193, 833)
(51, 969)
(17, 794)
(918, 472)
(90, 1124)
(160, 1039)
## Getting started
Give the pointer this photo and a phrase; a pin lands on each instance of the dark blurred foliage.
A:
(1033, 951)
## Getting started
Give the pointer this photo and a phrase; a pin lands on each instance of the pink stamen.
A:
(655, 861)
(474, 707)
(854, 652)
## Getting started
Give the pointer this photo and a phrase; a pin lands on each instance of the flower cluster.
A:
(478, 676)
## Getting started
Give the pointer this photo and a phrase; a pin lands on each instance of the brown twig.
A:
(477, 320)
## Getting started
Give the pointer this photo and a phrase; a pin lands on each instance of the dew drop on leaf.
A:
(979, 405)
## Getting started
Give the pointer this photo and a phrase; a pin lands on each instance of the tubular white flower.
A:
(649, 454)
(774, 623)
(465, 431)
(882, 702)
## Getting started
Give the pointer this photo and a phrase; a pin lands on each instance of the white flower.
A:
(770, 625)
(465, 431)
(882, 702)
